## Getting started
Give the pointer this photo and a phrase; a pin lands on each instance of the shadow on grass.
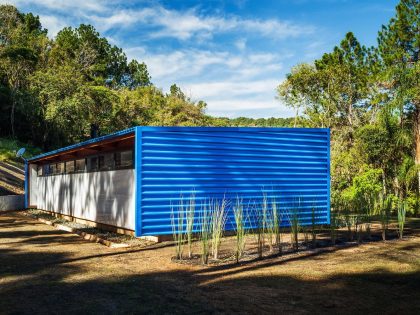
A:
(40, 282)
(185, 292)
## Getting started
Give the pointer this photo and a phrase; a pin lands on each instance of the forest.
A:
(66, 89)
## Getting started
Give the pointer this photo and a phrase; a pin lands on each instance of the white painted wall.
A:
(105, 197)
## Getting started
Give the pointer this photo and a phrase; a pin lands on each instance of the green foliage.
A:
(241, 220)
(190, 222)
(401, 212)
(218, 221)
(177, 223)
(367, 183)
(370, 98)
(9, 147)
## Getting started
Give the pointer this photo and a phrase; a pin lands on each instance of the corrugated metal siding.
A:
(290, 165)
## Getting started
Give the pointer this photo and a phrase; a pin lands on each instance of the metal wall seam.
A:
(138, 181)
(26, 184)
(329, 175)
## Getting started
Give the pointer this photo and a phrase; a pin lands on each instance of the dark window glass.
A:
(60, 168)
(124, 159)
(53, 169)
(93, 164)
(80, 165)
(106, 162)
(47, 169)
(69, 167)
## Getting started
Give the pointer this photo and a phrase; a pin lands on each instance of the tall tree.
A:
(399, 47)
(21, 40)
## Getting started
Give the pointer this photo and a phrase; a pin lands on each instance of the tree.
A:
(399, 48)
(334, 90)
(21, 39)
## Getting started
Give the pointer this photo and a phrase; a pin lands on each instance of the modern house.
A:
(131, 179)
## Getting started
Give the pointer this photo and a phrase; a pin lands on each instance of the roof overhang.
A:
(116, 141)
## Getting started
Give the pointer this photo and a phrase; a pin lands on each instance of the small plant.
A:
(268, 228)
(384, 209)
(240, 229)
(276, 219)
(294, 228)
(190, 223)
(334, 224)
(177, 222)
(218, 222)
(370, 201)
(313, 223)
(259, 231)
(402, 206)
(205, 232)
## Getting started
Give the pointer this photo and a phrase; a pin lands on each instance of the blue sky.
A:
(231, 54)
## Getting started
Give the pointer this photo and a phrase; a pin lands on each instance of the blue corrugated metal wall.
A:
(290, 165)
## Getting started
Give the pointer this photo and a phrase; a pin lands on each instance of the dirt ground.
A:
(43, 270)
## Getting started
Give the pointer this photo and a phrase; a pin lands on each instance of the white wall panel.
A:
(105, 197)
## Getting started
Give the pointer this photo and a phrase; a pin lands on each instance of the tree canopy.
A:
(59, 91)
(370, 99)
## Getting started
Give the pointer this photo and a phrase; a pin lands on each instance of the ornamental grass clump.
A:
(313, 226)
(177, 222)
(294, 227)
(370, 200)
(268, 228)
(258, 218)
(190, 209)
(205, 232)
(383, 209)
(276, 219)
(401, 211)
(240, 228)
(218, 222)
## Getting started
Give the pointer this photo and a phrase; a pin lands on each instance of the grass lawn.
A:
(43, 270)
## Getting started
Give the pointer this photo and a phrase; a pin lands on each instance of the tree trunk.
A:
(383, 182)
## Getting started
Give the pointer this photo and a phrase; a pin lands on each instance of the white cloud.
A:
(231, 84)
(53, 23)
(185, 25)
(63, 6)
(251, 107)
(211, 90)
(241, 43)
(190, 63)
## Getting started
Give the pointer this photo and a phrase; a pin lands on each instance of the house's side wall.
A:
(289, 166)
(33, 187)
(106, 197)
